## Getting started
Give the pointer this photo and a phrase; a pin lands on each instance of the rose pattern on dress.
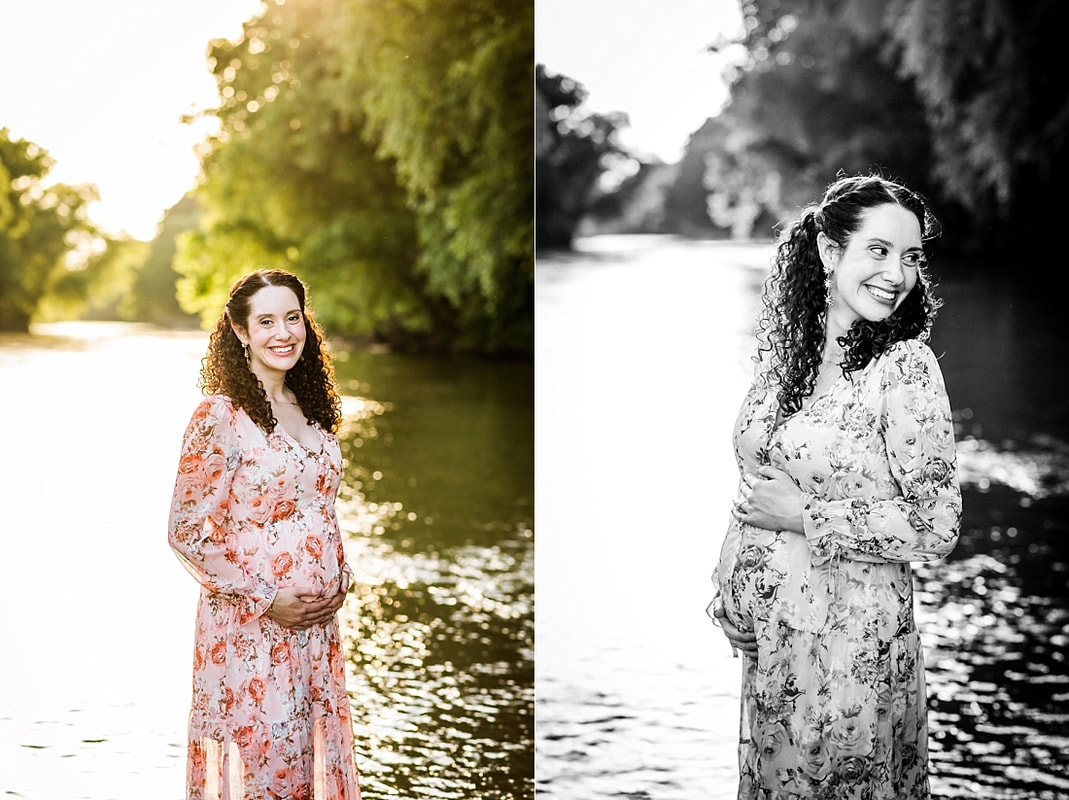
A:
(836, 699)
(253, 512)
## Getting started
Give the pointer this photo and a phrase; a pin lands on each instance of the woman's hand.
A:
(774, 503)
(740, 640)
(299, 608)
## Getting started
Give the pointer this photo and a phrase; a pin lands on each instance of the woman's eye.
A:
(878, 250)
(913, 259)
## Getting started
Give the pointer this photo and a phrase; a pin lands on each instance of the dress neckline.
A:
(809, 403)
(299, 443)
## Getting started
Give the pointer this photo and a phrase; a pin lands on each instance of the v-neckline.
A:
(301, 444)
(813, 400)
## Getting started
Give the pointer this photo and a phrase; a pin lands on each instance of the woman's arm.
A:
(921, 524)
(211, 454)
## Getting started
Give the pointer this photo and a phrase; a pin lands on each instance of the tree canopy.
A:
(573, 148)
(381, 151)
(47, 243)
(151, 296)
(965, 101)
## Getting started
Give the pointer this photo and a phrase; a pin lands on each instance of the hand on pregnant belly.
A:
(746, 641)
(297, 608)
(772, 501)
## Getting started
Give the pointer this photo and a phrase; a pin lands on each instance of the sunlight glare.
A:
(106, 97)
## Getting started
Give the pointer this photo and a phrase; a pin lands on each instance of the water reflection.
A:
(621, 694)
(437, 508)
(437, 512)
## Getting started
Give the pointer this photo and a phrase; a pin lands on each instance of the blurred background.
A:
(669, 145)
(149, 156)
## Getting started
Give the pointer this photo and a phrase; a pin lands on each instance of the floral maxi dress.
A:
(253, 512)
(835, 706)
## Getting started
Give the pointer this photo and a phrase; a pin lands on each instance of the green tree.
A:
(96, 291)
(152, 296)
(46, 238)
(289, 181)
(449, 98)
(414, 240)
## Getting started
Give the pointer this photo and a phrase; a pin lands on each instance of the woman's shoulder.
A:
(214, 405)
(910, 361)
(216, 409)
(907, 350)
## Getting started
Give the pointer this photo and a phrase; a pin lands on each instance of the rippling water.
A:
(437, 509)
(439, 505)
(642, 361)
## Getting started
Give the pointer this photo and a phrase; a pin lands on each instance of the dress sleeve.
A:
(921, 524)
(211, 454)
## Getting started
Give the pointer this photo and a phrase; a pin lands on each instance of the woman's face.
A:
(275, 333)
(877, 269)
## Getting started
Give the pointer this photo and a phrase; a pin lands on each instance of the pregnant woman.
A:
(253, 520)
(848, 472)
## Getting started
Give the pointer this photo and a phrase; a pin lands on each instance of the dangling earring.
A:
(827, 288)
(245, 347)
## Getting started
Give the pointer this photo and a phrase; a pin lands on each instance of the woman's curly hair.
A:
(224, 370)
(791, 326)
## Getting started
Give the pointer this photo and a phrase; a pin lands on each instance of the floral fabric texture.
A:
(835, 706)
(253, 512)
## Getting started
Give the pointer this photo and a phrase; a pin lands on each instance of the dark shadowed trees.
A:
(573, 147)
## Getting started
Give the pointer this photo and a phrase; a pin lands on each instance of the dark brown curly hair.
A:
(224, 369)
(791, 326)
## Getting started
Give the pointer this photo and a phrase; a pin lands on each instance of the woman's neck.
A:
(274, 384)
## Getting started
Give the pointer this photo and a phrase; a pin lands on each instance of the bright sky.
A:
(650, 65)
(102, 84)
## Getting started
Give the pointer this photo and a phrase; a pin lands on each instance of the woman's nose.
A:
(895, 272)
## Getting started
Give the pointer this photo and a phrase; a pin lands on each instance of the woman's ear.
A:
(829, 252)
(240, 333)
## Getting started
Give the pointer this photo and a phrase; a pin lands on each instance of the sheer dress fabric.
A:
(253, 512)
(835, 706)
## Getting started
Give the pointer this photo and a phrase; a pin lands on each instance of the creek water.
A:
(437, 512)
(642, 355)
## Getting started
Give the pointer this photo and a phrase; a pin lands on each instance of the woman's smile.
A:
(883, 295)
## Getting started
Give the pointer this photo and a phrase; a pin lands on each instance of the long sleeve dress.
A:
(834, 706)
(253, 512)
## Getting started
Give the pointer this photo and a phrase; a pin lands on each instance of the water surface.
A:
(642, 353)
(437, 511)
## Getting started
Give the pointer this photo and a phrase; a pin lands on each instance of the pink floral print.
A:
(251, 513)
(834, 706)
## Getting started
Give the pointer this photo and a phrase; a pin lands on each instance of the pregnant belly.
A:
(307, 559)
(766, 578)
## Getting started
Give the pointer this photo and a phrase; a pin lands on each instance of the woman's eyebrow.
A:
(888, 245)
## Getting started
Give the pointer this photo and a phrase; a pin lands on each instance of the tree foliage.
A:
(46, 238)
(996, 95)
(813, 97)
(966, 101)
(152, 294)
(449, 97)
(374, 149)
(573, 148)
